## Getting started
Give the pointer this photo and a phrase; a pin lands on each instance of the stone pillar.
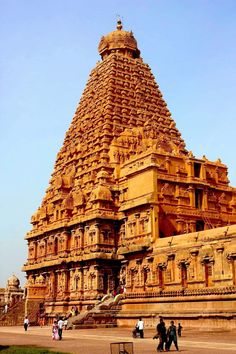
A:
(151, 219)
(67, 281)
(71, 282)
(97, 272)
(203, 171)
(154, 223)
(192, 226)
(81, 280)
(180, 225)
(204, 200)
(85, 272)
(194, 253)
(86, 229)
(217, 175)
(73, 239)
(81, 236)
(124, 273)
(150, 279)
(190, 168)
(52, 284)
(220, 261)
(191, 191)
(139, 262)
(167, 164)
(231, 257)
(59, 289)
(97, 234)
(137, 216)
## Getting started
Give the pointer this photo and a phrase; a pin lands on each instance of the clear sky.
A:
(48, 48)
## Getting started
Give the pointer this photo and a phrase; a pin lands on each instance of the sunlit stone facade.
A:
(129, 207)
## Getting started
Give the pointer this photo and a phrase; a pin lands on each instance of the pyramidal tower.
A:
(124, 190)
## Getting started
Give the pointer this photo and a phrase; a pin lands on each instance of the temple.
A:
(12, 303)
(130, 210)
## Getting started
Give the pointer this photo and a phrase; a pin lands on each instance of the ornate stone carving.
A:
(123, 191)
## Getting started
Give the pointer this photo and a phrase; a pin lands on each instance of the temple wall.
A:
(188, 278)
(129, 207)
(207, 311)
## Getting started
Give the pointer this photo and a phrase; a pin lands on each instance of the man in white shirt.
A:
(60, 324)
(26, 323)
(140, 327)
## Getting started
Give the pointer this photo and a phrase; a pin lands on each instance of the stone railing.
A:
(184, 292)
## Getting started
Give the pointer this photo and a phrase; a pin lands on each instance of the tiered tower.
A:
(123, 183)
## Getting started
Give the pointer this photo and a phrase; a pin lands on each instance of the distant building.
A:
(128, 207)
(12, 294)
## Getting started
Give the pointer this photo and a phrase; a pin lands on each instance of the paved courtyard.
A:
(97, 341)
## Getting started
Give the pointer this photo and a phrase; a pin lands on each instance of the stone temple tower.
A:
(128, 206)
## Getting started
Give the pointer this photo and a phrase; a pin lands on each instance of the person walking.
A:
(161, 333)
(60, 324)
(26, 323)
(76, 310)
(172, 336)
(65, 323)
(140, 327)
(179, 330)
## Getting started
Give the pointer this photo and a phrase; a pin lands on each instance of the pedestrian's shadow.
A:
(2, 347)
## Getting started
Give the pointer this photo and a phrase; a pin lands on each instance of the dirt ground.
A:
(97, 341)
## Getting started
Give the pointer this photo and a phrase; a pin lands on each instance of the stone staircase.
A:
(14, 316)
(103, 314)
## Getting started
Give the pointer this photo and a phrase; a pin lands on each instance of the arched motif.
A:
(145, 270)
(132, 275)
(161, 267)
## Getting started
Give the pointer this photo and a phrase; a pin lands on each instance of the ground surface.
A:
(97, 341)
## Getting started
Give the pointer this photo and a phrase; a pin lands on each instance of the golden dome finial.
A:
(119, 41)
(119, 25)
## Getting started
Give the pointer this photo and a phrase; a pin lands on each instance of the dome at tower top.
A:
(119, 41)
(13, 281)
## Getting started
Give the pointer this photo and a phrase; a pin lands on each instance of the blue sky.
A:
(48, 48)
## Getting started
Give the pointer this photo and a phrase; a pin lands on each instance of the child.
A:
(179, 329)
(65, 323)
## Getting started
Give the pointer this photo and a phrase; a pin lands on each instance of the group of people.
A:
(57, 328)
(166, 336)
(74, 311)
